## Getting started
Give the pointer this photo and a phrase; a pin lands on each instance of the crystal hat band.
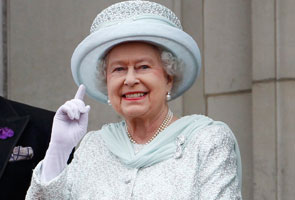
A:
(134, 21)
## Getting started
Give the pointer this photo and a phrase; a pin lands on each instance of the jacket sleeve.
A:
(218, 170)
(60, 186)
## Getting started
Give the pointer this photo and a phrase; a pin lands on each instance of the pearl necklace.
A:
(164, 125)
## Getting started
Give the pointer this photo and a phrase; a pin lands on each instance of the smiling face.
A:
(136, 81)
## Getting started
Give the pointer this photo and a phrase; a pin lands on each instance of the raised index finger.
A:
(80, 92)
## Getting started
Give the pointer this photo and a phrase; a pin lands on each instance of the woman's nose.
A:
(131, 78)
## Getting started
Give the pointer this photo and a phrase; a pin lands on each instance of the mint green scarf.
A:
(162, 147)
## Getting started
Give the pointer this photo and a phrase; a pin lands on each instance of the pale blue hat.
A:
(134, 21)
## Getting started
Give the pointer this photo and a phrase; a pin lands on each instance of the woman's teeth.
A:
(134, 95)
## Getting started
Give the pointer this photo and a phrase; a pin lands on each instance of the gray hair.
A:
(171, 64)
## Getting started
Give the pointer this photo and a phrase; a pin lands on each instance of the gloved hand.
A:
(70, 122)
(69, 126)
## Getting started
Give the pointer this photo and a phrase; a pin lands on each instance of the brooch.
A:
(179, 146)
(6, 133)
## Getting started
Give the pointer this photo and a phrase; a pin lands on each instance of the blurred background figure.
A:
(21, 151)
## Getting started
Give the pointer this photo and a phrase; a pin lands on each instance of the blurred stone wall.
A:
(247, 78)
(273, 94)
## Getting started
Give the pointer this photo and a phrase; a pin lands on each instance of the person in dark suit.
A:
(32, 130)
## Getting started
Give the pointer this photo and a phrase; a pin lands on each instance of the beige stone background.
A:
(247, 80)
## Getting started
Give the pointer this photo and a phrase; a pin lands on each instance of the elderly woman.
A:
(137, 58)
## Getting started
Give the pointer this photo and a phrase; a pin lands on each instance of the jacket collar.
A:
(10, 118)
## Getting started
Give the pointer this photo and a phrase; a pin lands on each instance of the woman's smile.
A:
(134, 96)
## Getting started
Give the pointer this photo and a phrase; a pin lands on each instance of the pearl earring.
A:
(168, 96)
(109, 102)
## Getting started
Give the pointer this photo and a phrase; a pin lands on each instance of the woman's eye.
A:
(144, 67)
(118, 69)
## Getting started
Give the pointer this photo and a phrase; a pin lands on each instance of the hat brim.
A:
(87, 54)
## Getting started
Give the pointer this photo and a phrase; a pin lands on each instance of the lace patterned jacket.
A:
(206, 170)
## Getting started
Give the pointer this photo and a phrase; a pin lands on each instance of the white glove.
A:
(69, 126)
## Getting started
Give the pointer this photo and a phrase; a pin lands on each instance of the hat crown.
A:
(128, 11)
